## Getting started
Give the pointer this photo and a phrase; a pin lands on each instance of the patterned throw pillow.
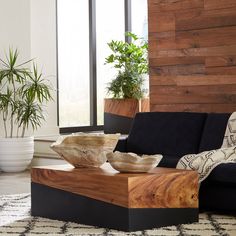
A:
(230, 132)
(206, 161)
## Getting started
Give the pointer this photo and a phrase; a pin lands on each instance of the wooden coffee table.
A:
(106, 198)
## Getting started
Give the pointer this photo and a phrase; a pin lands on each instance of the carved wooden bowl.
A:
(131, 162)
(85, 150)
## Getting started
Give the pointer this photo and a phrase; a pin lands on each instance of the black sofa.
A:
(174, 134)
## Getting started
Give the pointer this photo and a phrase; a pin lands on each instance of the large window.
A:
(139, 18)
(73, 63)
(84, 29)
(110, 25)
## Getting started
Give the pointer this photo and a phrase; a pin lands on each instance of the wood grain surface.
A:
(160, 188)
(192, 55)
(126, 107)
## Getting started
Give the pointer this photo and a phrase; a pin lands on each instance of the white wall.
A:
(14, 30)
(15, 26)
(43, 48)
(30, 26)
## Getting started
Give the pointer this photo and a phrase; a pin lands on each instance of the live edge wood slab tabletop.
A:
(106, 198)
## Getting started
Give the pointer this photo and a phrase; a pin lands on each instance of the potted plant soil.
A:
(127, 88)
(23, 92)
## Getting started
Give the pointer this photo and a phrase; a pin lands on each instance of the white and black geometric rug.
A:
(15, 220)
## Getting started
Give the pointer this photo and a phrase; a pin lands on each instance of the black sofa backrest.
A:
(213, 132)
(167, 133)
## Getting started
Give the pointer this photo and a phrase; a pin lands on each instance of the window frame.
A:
(92, 67)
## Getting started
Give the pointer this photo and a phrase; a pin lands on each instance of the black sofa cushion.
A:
(169, 161)
(217, 197)
(213, 132)
(223, 173)
(121, 145)
(167, 133)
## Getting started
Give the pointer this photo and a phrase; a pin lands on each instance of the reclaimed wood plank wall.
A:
(192, 55)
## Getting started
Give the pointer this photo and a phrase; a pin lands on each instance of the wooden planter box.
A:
(119, 113)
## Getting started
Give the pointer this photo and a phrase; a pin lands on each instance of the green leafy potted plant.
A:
(23, 92)
(126, 89)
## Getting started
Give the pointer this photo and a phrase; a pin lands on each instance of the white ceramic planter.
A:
(16, 153)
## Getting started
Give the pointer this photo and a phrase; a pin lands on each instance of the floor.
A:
(13, 183)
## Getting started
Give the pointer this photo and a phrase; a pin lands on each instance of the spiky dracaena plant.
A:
(130, 60)
(23, 92)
